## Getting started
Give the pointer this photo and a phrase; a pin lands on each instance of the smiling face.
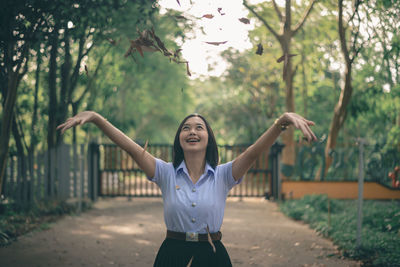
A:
(189, 139)
(193, 136)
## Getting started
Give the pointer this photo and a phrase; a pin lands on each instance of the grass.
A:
(337, 219)
(16, 221)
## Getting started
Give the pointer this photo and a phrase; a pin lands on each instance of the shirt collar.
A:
(182, 168)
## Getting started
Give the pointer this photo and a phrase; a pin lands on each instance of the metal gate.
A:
(119, 175)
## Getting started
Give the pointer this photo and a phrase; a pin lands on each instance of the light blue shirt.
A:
(191, 207)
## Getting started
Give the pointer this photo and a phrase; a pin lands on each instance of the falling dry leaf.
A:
(145, 146)
(86, 70)
(176, 53)
(190, 262)
(187, 69)
(112, 42)
(282, 58)
(181, 17)
(244, 20)
(216, 43)
(220, 11)
(148, 41)
(208, 16)
(210, 240)
(260, 49)
(178, 2)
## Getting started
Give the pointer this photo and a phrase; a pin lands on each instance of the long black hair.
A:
(212, 149)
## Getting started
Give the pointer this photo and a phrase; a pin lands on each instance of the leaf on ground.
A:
(216, 43)
(260, 49)
(244, 20)
(282, 58)
(208, 16)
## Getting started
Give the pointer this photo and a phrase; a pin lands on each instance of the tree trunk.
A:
(51, 130)
(284, 38)
(33, 143)
(339, 117)
(339, 114)
(288, 152)
(6, 122)
(65, 84)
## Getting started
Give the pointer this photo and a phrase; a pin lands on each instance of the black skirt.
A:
(178, 253)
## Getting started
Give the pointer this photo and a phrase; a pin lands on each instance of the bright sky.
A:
(218, 29)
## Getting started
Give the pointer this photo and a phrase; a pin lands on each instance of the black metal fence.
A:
(62, 173)
(120, 175)
(379, 160)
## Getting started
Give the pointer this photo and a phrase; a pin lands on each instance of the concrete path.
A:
(118, 232)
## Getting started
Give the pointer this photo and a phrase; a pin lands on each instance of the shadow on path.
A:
(118, 232)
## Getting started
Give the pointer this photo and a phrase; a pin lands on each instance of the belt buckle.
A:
(192, 236)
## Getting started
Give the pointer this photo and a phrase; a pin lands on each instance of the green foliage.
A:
(380, 228)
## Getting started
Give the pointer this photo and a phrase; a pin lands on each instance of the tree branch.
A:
(303, 20)
(262, 20)
(278, 12)
(342, 34)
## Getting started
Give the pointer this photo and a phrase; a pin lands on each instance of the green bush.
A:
(380, 229)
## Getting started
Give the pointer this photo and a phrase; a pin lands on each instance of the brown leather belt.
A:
(193, 237)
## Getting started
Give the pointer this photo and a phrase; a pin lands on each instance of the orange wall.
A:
(340, 190)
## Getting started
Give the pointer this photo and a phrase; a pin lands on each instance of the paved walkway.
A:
(118, 232)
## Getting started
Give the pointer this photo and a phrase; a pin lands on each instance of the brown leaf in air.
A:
(190, 262)
(181, 17)
(216, 43)
(112, 42)
(210, 240)
(208, 16)
(187, 69)
(220, 11)
(139, 49)
(178, 2)
(282, 58)
(260, 49)
(145, 146)
(160, 44)
(86, 70)
(176, 53)
(244, 20)
(148, 41)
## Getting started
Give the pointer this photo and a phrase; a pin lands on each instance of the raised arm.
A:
(144, 159)
(244, 161)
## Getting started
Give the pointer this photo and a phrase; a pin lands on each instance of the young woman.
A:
(194, 187)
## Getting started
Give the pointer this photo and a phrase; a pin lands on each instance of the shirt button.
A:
(193, 204)
(194, 190)
(193, 220)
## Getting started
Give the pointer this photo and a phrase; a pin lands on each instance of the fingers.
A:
(303, 124)
(71, 122)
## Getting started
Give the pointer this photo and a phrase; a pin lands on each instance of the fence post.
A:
(93, 170)
(275, 151)
(361, 143)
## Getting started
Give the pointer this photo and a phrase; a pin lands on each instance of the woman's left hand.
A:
(290, 118)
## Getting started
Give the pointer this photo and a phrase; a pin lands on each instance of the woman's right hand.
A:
(79, 119)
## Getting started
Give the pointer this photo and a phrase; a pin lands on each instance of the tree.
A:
(349, 55)
(284, 37)
(21, 26)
